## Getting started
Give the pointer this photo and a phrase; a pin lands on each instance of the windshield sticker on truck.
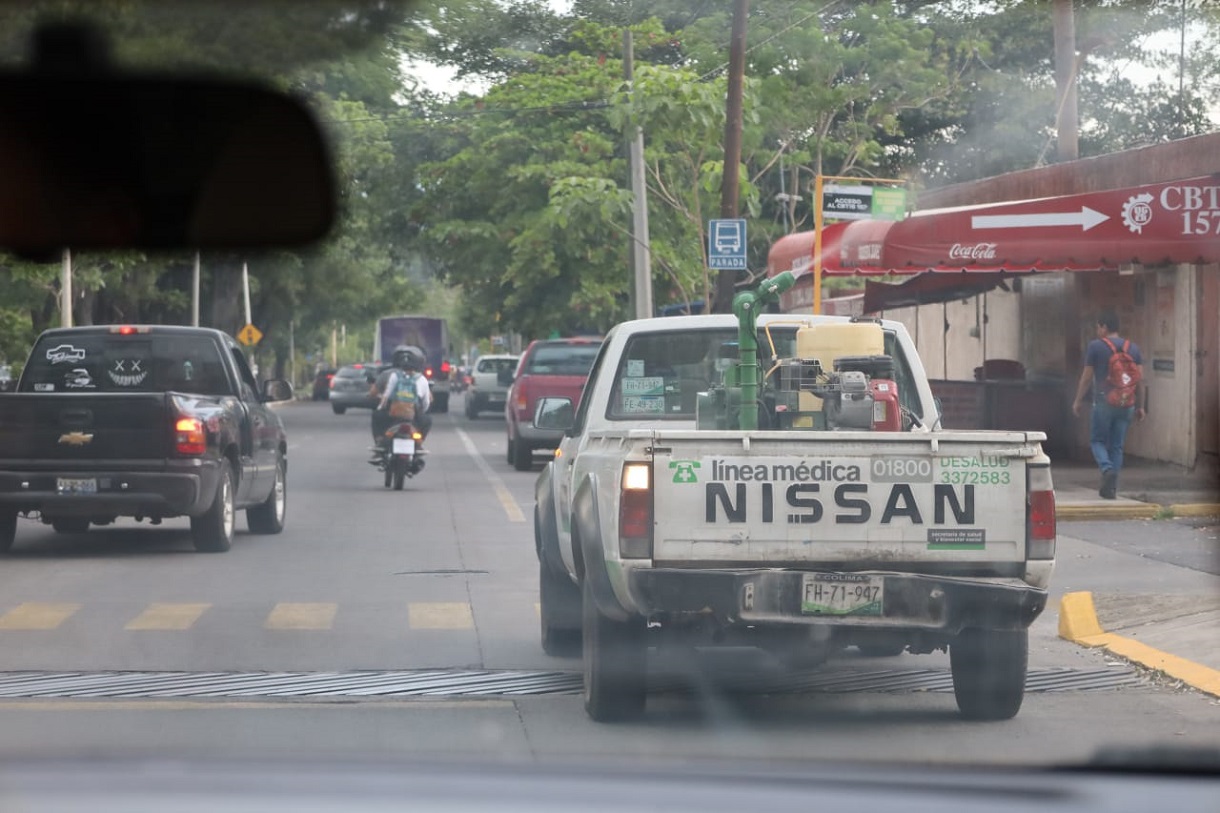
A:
(65, 353)
(652, 385)
(128, 372)
(635, 368)
(79, 379)
(643, 405)
(41, 387)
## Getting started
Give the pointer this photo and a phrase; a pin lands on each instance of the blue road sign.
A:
(726, 244)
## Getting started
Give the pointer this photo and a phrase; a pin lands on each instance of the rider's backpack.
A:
(1122, 377)
(403, 399)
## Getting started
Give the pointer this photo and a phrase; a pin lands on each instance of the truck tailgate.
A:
(790, 499)
(76, 428)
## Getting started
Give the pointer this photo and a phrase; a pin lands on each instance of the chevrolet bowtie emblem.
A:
(75, 438)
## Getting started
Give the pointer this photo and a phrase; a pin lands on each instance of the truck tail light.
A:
(445, 367)
(190, 437)
(1041, 515)
(635, 512)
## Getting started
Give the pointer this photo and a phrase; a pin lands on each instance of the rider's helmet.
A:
(408, 357)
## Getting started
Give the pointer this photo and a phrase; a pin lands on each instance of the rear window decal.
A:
(65, 353)
(635, 368)
(79, 379)
(41, 387)
(128, 372)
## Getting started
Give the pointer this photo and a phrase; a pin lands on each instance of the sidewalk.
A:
(1177, 634)
(1146, 489)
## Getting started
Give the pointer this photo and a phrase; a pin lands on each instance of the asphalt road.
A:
(304, 642)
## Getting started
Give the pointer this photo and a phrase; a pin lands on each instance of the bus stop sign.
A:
(726, 244)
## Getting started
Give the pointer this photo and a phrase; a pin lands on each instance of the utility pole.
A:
(1066, 67)
(245, 288)
(65, 290)
(726, 278)
(641, 249)
(195, 293)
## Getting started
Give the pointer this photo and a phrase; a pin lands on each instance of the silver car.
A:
(489, 385)
(350, 388)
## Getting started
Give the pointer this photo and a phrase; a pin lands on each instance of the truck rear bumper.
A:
(768, 597)
(122, 494)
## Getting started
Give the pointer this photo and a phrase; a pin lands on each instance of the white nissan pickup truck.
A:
(848, 517)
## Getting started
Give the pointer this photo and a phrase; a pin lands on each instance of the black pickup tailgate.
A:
(77, 427)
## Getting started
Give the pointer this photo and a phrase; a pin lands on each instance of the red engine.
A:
(887, 411)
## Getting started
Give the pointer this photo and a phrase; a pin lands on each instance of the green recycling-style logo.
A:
(684, 471)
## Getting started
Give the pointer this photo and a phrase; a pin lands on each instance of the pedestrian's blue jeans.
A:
(1109, 432)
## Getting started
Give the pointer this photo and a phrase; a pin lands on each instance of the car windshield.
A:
(994, 540)
(104, 362)
(497, 365)
(561, 359)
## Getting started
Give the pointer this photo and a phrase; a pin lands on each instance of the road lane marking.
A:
(207, 704)
(1078, 623)
(439, 615)
(35, 615)
(286, 616)
(159, 616)
(505, 496)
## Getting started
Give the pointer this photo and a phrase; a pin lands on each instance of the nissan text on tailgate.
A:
(849, 517)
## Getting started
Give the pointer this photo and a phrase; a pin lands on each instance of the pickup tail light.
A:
(1041, 515)
(190, 437)
(635, 512)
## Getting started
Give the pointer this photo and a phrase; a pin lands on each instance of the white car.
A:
(489, 387)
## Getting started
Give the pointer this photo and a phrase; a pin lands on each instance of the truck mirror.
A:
(554, 413)
(276, 389)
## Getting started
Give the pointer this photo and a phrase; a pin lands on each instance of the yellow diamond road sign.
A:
(249, 335)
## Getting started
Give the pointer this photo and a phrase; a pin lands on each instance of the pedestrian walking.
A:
(1113, 368)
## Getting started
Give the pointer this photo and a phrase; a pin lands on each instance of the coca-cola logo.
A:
(978, 251)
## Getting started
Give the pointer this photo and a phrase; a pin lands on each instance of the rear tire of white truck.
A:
(213, 532)
(8, 530)
(559, 613)
(615, 687)
(989, 672)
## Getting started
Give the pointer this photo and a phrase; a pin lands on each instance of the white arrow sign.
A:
(1086, 218)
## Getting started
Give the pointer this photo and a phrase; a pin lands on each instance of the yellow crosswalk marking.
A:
(34, 615)
(439, 615)
(286, 616)
(168, 617)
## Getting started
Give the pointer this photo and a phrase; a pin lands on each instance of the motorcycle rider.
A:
(408, 362)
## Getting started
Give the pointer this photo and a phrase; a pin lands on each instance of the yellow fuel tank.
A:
(834, 340)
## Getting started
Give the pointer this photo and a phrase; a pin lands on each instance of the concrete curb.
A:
(1078, 623)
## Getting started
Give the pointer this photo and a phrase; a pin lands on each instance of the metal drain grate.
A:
(475, 683)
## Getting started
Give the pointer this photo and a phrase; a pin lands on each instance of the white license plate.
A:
(842, 594)
(404, 446)
(70, 485)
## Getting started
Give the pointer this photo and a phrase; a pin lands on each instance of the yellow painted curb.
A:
(1196, 509)
(1078, 623)
(1141, 511)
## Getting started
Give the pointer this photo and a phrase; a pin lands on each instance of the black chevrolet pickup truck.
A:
(142, 421)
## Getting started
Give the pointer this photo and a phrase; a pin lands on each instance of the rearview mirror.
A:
(277, 389)
(104, 160)
(554, 413)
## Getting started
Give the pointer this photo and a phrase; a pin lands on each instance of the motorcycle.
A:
(402, 454)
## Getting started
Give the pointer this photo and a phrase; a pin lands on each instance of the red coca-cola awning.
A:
(1156, 224)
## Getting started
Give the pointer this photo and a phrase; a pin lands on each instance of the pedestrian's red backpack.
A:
(1123, 377)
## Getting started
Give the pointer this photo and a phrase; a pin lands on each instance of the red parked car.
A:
(548, 367)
